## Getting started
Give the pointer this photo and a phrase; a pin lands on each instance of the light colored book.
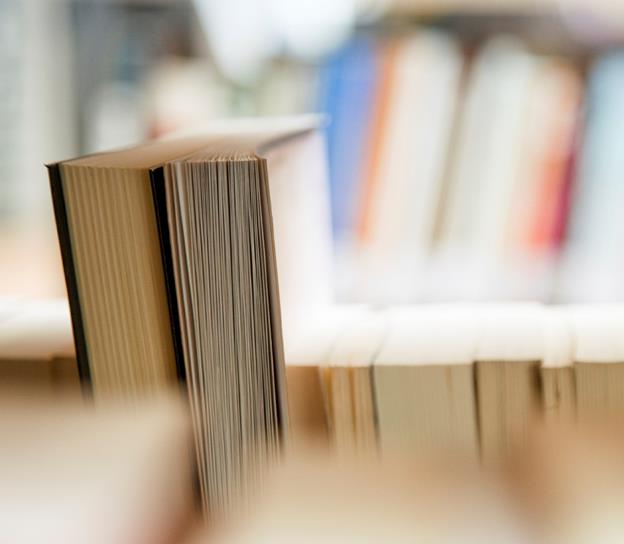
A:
(557, 370)
(483, 173)
(599, 361)
(307, 354)
(424, 382)
(508, 359)
(402, 202)
(533, 230)
(593, 263)
(351, 407)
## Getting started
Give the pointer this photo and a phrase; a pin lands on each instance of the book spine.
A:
(62, 228)
(157, 181)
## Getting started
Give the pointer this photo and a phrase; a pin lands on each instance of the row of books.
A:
(479, 176)
(471, 380)
(490, 162)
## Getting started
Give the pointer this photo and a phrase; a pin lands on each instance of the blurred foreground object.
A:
(315, 500)
(573, 483)
(70, 474)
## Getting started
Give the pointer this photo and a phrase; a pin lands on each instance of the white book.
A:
(404, 203)
(484, 170)
(593, 261)
(599, 360)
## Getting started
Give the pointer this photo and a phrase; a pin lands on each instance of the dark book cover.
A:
(62, 228)
(157, 180)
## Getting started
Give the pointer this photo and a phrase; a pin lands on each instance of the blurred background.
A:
(474, 147)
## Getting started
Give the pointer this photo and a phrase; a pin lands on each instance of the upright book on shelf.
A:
(507, 376)
(349, 384)
(308, 352)
(424, 386)
(557, 371)
(170, 262)
(598, 362)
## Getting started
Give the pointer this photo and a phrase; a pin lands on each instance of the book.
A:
(307, 357)
(36, 347)
(374, 148)
(532, 243)
(401, 204)
(349, 382)
(592, 263)
(508, 360)
(598, 362)
(347, 94)
(557, 371)
(170, 260)
(483, 172)
(555, 108)
(424, 383)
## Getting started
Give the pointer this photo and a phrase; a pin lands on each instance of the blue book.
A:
(596, 235)
(347, 95)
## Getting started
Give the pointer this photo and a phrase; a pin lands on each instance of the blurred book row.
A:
(455, 173)
(461, 379)
(472, 382)
(460, 168)
(492, 175)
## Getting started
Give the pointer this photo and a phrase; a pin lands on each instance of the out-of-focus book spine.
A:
(530, 247)
(483, 172)
(562, 93)
(403, 200)
(594, 261)
(348, 83)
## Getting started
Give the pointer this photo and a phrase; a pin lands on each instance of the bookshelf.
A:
(399, 353)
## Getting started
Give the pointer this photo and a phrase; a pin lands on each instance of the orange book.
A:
(372, 156)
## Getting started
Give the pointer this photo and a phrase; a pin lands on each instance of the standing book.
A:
(170, 263)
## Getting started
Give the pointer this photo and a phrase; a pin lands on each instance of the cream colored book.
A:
(307, 353)
(557, 370)
(508, 361)
(599, 361)
(350, 385)
(484, 171)
(424, 382)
